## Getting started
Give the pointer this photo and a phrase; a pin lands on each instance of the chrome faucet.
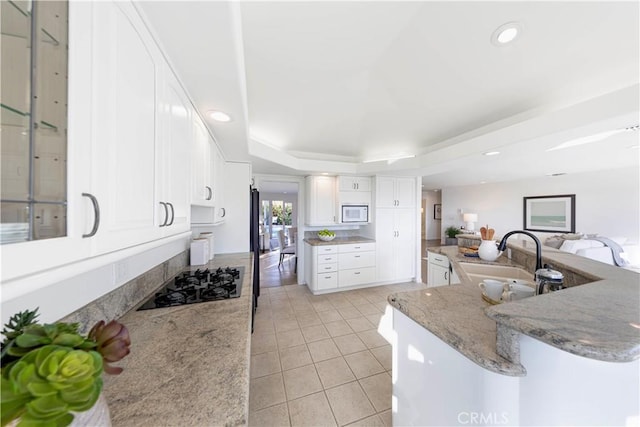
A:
(503, 245)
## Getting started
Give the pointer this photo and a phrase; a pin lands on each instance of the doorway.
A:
(279, 220)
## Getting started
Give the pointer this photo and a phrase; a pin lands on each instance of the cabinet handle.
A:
(445, 275)
(327, 277)
(356, 247)
(356, 256)
(356, 272)
(224, 212)
(173, 213)
(96, 211)
(166, 214)
(210, 193)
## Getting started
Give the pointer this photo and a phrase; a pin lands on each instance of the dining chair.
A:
(286, 250)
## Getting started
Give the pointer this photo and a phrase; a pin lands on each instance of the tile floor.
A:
(320, 360)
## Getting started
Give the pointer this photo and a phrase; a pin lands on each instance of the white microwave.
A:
(355, 213)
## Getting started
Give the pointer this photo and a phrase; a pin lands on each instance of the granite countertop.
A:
(598, 320)
(314, 241)
(189, 365)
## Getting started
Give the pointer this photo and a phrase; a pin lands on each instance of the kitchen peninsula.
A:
(569, 357)
(189, 365)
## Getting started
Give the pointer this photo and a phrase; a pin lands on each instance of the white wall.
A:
(434, 229)
(607, 202)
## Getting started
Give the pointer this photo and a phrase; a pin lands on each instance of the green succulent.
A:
(50, 370)
(47, 383)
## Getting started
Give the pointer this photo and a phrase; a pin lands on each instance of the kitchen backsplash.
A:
(119, 301)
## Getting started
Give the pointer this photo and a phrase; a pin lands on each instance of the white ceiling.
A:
(321, 86)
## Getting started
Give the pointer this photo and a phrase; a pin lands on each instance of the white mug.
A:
(492, 288)
(516, 291)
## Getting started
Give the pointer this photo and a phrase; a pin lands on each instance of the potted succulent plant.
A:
(50, 372)
(451, 233)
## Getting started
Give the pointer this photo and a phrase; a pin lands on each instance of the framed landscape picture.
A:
(550, 213)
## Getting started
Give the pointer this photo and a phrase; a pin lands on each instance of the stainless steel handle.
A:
(166, 214)
(356, 272)
(173, 213)
(224, 212)
(356, 247)
(445, 275)
(96, 219)
(210, 196)
(356, 256)
(327, 277)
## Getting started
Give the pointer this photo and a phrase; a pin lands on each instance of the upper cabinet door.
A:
(175, 157)
(201, 171)
(125, 67)
(385, 192)
(354, 183)
(406, 192)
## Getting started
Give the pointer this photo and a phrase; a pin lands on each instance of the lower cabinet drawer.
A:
(356, 260)
(328, 258)
(326, 268)
(327, 280)
(356, 276)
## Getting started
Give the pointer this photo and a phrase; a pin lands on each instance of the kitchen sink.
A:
(498, 272)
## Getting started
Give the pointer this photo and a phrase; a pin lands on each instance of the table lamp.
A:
(470, 218)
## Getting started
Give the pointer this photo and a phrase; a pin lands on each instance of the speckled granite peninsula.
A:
(189, 365)
(598, 320)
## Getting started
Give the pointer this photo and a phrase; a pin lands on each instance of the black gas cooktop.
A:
(194, 286)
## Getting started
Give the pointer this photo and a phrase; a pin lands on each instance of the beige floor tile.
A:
(312, 411)
(373, 421)
(334, 372)
(329, 316)
(340, 302)
(349, 312)
(356, 299)
(323, 350)
(384, 355)
(265, 364)
(360, 324)
(372, 338)
(378, 390)
(338, 328)
(263, 343)
(368, 308)
(263, 326)
(308, 319)
(387, 418)
(315, 333)
(349, 403)
(276, 416)
(363, 364)
(322, 306)
(287, 324)
(294, 357)
(348, 344)
(266, 391)
(289, 338)
(374, 319)
(301, 381)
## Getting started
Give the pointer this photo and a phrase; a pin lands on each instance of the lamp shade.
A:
(470, 217)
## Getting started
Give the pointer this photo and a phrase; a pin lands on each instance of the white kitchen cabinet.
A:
(396, 244)
(354, 183)
(438, 270)
(321, 200)
(126, 71)
(332, 267)
(174, 158)
(202, 191)
(356, 264)
(220, 211)
(395, 192)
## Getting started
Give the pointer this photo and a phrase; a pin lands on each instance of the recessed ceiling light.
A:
(491, 153)
(506, 33)
(219, 116)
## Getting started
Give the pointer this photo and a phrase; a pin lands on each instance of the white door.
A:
(201, 191)
(124, 127)
(405, 248)
(323, 200)
(405, 192)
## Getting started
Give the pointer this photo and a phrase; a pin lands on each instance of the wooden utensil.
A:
(483, 233)
(490, 233)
